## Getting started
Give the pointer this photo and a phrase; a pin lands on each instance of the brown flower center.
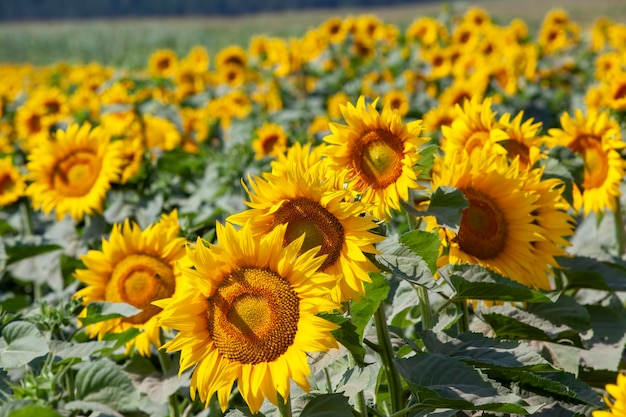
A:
(253, 316)
(483, 228)
(139, 280)
(319, 226)
(75, 175)
(378, 157)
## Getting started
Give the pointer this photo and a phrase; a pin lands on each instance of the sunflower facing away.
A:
(378, 151)
(321, 209)
(617, 400)
(248, 313)
(134, 267)
(515, 224)
(72, 173)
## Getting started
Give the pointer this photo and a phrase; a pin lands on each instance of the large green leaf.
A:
(513, 323)
(446, 206)
(563, 311)
(403, 262)
(584, 272)
(98, 311)
(327, 405)
(20, 251)
(363, 309)
(24, 343)
(485, 352)
(439, 381)
(103, 382)
(606, 345)
(425, 244)
(478, 283)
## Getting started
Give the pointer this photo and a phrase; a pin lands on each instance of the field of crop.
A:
(129, 42)
(408, 212)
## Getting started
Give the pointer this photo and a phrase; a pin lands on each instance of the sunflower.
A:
(474, 128)
(334, 30)
(271, 140)
(32, 126)
(310, 203)
(437, 117)
(12, 184)
(72, 173)
(614, 91)
(134, 267)
(304, 155)
(234, 55)
(160, 133)
(163, 63)
(505, 228)
(617, 400)
(249, 315)
(597, 139)
(378, 151)
(522, 142)
(398, 101)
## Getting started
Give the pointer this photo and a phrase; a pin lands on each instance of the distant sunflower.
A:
(398, 101)
(163, 63)
(271, 140)
(474, 129)
(378, 151)
(12, 183)
(134, 267)
(615, 400)
(249, 315)
(597, 139)
(319, 207)
(522, 142)
(72, 173)
(500, 228)
(437, 117)
(231, 55)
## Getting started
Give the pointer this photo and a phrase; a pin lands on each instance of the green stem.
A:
(464, 322)
(166, 364)
(359, 403)
(284, 406)
(619, 228)
(27, 221)
(427, 315)
(387, 357)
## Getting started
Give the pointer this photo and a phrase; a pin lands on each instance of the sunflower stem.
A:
(27, 220)
(284, 405)
(359, 403)
(387, 357)
(427, 315)
(464, 322)
(619, 228)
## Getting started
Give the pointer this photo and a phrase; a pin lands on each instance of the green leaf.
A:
(363, 309)
(563, 311)
(439, 381)
(485, 352)
(34, 410)
(425, 244)
(609, 336)
(478, 283)
(20, 251)
(327, 405)
(98, 311)
(403, 262)
(347, 336)
(104, 382)
(446, 205)
(24, 343)
(512, 323)
(583, 272)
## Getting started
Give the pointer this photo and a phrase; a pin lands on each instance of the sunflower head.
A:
(378, 151)
(12, 183)
(134, 267)
(72, 173)
(271, 140)
(163, 63)
(249, 314)
(615, 398)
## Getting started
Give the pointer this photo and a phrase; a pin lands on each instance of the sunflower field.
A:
(361, 221)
